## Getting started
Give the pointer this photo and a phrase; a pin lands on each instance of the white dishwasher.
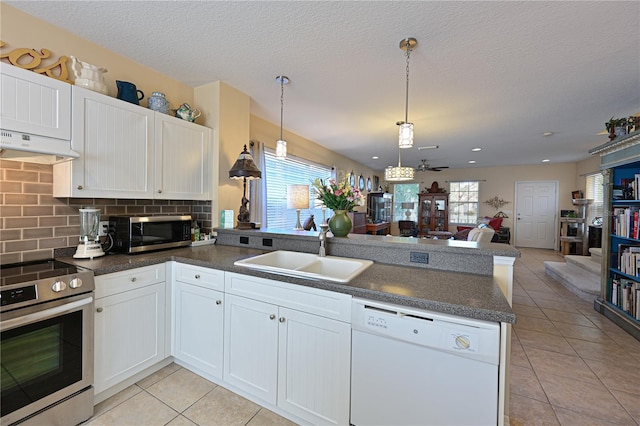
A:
(416, 367)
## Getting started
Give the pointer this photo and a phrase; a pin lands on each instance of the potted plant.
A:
(616, 127)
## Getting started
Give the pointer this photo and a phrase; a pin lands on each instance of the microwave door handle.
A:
(37, 316)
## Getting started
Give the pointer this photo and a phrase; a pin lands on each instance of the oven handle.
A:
(37, 316)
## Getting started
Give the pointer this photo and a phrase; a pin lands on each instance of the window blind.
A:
(595, 191)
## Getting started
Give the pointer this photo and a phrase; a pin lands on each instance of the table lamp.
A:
(244, 168)
(408, 207)
(298, 198)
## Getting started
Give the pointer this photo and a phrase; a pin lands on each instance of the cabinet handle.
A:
(134, 279)
(99, 310)
(159, 191)
(272, 317)
(80, 187)
(218, 302)
(197, 276)
(281, 319)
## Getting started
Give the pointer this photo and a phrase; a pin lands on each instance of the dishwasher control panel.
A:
(462, 336)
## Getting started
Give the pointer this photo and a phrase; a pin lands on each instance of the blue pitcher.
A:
(128, 92)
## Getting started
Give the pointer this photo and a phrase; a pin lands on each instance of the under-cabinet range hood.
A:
(34, 149)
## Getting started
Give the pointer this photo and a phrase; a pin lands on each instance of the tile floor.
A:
(569, 366)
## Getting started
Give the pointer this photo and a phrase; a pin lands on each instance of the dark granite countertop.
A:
(457, 293)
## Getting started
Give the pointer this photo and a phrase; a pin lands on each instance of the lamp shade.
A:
(244, 167)
(407, 205)
(297, 196)
(501, 214)
(399, 173)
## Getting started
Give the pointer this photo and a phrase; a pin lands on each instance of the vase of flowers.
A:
(340, 197)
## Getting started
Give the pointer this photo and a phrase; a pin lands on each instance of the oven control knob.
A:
(75, 283)
(58, 286)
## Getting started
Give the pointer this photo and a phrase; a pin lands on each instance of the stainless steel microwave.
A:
(137, 234)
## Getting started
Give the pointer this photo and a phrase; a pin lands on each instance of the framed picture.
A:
(361, 183)
(369, 184)
(352, 179)
(376, 182)
(576, 194)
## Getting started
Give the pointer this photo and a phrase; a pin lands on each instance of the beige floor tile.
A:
(592, 399)
(592, 334)
(158, 375)
(619, 375)
(567, 317)
(542, 325)
(181, 389)
(221, 407)
(544, 295)
(518, 356)
(572, 367)
(550, 342)
(523, 382)
(558, 305)
(524, 300)
(141, 409)
(181, 421)
(629, 402)
(528, 310)
(530, 412)
(600, 351)
(116, 400)
(626, 341)
(572, 418)
(269, 418)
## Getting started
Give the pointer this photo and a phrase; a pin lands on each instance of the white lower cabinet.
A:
(297, 361)
(130, 328)
(198, 318)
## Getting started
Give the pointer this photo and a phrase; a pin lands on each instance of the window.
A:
(290, 171)
(463, 202)
(405, 193)
(594, 191)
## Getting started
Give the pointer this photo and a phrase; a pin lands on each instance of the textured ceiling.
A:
(495, 75)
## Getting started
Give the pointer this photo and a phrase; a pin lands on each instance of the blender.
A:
(89, 246)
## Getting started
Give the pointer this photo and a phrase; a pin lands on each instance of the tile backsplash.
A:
(33, 223)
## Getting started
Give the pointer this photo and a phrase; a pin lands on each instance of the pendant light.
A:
(405, 136)
(281, 144)
(405, 140)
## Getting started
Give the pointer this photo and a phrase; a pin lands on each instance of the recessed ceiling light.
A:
(476, 149)
(375, 157)
(472, 161)
(546, 160)
(547, 134)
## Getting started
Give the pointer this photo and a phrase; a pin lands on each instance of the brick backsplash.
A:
(33, 223)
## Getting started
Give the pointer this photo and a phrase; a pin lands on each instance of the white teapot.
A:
(88, 75)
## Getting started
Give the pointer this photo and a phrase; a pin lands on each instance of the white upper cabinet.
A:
(34, 104)
(128, 151)
(182, 159)
(115, 142)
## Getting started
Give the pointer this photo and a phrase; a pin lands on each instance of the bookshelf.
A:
(620, 281)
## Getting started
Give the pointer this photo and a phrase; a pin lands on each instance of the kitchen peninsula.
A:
(458, 280)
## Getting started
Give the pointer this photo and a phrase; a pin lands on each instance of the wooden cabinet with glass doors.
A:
(433, 211)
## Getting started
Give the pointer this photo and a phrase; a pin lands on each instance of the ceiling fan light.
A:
(405, 133)
(281, 149)
(398, 173)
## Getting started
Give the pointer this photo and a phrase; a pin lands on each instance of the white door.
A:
(198, 327)
(536, 211)
(182, 160)
(129, 334)
(251, 346)
(314, 367)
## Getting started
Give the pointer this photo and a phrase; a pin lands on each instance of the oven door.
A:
(46, 355)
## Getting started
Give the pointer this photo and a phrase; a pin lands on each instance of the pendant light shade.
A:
(406, 135)
(281, 144)
(399, 173)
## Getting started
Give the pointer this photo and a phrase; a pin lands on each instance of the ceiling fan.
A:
(425, 167)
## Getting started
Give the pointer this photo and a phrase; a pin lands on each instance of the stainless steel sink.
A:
(307, 265)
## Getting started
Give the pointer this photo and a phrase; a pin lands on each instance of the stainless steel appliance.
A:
(136, 234)
(46, 351)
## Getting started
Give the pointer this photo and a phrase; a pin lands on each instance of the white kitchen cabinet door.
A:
(33, 103)
(314, 367)
(251, 346)
(115, 141)
(129, 334)
(182, 160)
(198, 327)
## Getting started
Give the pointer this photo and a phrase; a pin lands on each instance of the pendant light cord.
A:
(406, 99)
(282, 103)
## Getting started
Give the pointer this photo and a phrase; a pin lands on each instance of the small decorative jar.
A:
(158, 102)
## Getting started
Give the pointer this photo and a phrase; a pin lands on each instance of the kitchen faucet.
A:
(323, 239)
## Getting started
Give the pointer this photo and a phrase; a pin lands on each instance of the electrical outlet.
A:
(103, 228)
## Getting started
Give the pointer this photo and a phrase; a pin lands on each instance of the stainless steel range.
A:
(46, 352)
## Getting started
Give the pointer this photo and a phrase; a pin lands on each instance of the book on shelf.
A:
(626, 222)
(629, 259)
(625, 294)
